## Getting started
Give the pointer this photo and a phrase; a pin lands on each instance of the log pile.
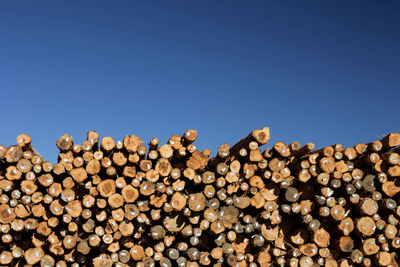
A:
(122, 203)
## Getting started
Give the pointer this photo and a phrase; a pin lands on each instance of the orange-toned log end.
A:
(107, 144)
(394, 171)
(79, 174)
(346, 244)
(65, 143)
(282, 149)
(262, 136)
(175, 141)
(206, 152)
(197, 161)
(223, 150)
(309, 249)
(375, 146)
(392, 158)
(346, 226)
(137, 252)
(178, 201)
(327, 164)
(166, 151)
(34, 255)
(264, 258)
(369, 206)
(190, 136)
(370, 247)
(361, 148)
(384, 258)
(197, 202)
(304, 175)
(119, 159)
(307, 148)
(133, 158)
(7, 213)
(129, 171)
(366, 226)
(13, 154)
(126, 228)
(294, 146)
(93, 167)
(129, 193)
(350, 153)
(115, 200)
(163, 167)
(147, 188)
(391, 140)
(74, 208)
(93, 137)
(24, 165)
(269, 234)
(390, 188)
(58, 169)
(102, 260)
(321, 237)
(131, 143)
(23, 140)
(83, 247)
(106, 187)
(256, 156)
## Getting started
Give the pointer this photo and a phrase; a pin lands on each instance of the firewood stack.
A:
(122, 203)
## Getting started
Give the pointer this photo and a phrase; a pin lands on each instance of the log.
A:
(391, 140)
(261, 136)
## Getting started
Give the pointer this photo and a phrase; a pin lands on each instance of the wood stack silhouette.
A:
(122, 203)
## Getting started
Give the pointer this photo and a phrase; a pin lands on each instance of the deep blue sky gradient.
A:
(313, 71)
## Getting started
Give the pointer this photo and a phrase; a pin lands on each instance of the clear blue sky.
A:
(314, 71)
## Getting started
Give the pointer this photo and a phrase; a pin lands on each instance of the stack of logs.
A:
(121, 203)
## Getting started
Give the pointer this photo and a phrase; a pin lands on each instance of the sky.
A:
(313, 71)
